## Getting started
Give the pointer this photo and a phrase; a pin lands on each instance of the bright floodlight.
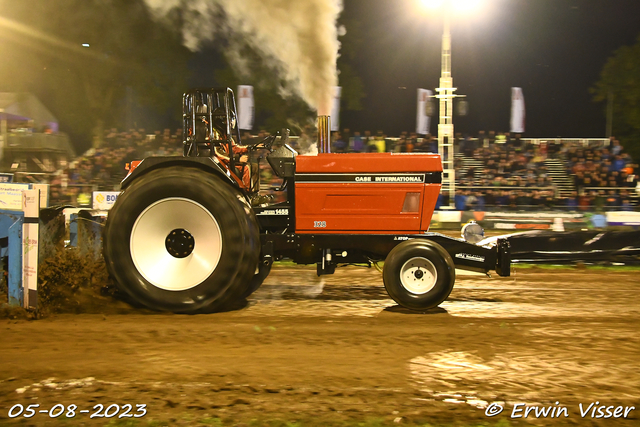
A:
(455, 5)
(431, 4)
(466, 5)
(85, 44)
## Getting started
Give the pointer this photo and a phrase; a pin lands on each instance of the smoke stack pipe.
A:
(324, 134)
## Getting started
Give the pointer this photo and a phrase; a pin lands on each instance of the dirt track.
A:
(340, 351)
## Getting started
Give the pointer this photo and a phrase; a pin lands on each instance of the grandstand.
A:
(535, 173)
(500, 166)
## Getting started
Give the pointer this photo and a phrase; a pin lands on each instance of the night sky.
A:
(553, 49)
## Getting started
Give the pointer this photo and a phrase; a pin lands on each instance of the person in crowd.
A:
(549, 199)
(553, 148)
(481, 204)
(346, 137)
(471, 201)
(460, 200)
(423, 145)
(466, 146)
(517, 142)
(599, 200)
(356, 144)
(389, 144)
(616, 148)
(377, 143)
(431, 144)
(539, 157)
(490, 199)
(470, 173)
(502, 199)
(366, 141)
(412, 141)
(537, 201)
(625, 201)
(443, 199)
(339, 144)
(618, 163)
(512, 202)
(491, 138)
(482, 140)
(612, 199)
(632, 177)
(586, 200)
(84, 197)
(571, 201)
(401, 145)
(523, 199)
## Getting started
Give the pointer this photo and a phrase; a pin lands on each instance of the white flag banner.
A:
(30, 233)
(517, 110)
(245, 107)
(335, 109)
(422, 120)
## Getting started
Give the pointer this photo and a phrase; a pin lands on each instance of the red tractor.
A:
(184, 236)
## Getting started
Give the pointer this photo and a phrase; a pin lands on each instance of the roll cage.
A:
(209, 119)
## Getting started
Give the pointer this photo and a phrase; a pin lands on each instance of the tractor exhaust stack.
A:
(324, 134)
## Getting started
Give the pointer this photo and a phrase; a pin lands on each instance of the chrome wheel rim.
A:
(153, 256)
(418, 275)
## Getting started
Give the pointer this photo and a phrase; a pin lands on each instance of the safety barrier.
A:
(19, 239)
(10, 250)
(556, 220)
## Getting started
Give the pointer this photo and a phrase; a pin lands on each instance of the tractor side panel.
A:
(431, 193)
(356, 207)
(364, 193)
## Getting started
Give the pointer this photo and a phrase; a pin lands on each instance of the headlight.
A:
(472, 232)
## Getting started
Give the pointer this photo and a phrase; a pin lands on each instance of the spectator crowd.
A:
(103, 168)
(494, 171)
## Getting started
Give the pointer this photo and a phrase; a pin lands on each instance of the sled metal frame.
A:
(331, 250)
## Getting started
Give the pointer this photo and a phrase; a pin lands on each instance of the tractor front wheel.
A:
(419, 274)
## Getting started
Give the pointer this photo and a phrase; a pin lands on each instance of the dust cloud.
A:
(298, 38)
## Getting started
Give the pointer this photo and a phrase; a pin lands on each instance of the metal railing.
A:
(508, 188)
(632, 190)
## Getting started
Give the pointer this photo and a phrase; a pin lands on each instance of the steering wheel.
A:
(267, 142)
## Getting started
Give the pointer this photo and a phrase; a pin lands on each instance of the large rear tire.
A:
(180, 239)
(419, 274)
(257, 279)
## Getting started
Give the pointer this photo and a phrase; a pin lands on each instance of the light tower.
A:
(446, 93)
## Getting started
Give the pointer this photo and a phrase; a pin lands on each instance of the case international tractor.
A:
(184, 235)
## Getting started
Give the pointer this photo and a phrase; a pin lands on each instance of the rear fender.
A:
(207, 164)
